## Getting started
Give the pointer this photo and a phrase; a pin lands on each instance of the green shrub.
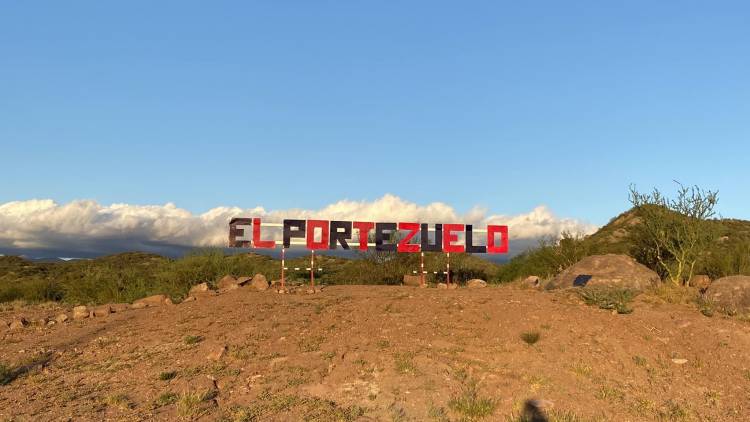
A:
(608, 298)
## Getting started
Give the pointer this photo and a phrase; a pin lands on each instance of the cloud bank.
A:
(89, 226)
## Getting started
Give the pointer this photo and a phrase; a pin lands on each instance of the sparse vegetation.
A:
(168, 375)
(676, 232)
(191, 339)
(6, 374)
(470, 405)
(614, 298)
(531, 337)
(404, 363)
(165, 399)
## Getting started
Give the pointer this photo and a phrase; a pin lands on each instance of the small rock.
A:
(119, 307)
(155, 300)
(189, 299)
(241, 281)
(442, 286)
(168, 301)
(18, 323)
(80, 312)
(199, 289)
(532, 281)
(61, 318)
(476, 283)
(452, 286)
(680, 361)
(259, 282)
(101, 311)
(276, 283)
(51, 322)
(218, 354)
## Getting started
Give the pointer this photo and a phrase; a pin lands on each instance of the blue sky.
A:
(506, 105)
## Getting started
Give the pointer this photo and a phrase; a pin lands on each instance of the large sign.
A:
(324, 234)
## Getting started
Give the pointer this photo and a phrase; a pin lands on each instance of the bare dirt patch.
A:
(378, 353)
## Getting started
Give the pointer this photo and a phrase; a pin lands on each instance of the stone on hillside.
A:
(453, 286)
(606, 270)
(18, 323)
(155, 300)
(700, 281)
(412, 280)
(101, 311)
(80, 312)
(476, 283)
(200, 289)
(241, 281)
(730, 294)
(532, 281)
(218, 353)
(227, 282)
(119, 307)
(189, 299)
(61, 318)
(442, 286)
(259, 282)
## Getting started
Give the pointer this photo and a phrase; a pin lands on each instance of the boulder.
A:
(155, 300)
(101, 311)
(442, 286)
(200, 289)
(80, 312)
(730, 294)
(476, 283)
(18, 323)
(227, 282)
(412, 280)
(259, 282)
(61, 318)
(606, 270)
(700, 281)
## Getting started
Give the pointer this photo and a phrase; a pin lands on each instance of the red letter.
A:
(265, 244)
(311, 226)
(449, 238)
(491, 230)
(364, 232)
(404, 245)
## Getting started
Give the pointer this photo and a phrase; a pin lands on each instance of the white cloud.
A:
(46, 224)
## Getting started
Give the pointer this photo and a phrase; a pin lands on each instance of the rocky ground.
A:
(376, 353)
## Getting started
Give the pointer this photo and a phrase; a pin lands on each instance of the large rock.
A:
(259, 282)
(606, 270)
(155, 300)
(730, 294)
(80, 312)
(227, 282)
(476, 283)
(412, 280)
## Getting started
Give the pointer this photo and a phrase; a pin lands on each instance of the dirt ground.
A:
(378, 353)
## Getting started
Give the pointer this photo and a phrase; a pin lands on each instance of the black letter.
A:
(470, 248)
(299, 231)
(341, 237)
(380, 229)
(438, 245)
